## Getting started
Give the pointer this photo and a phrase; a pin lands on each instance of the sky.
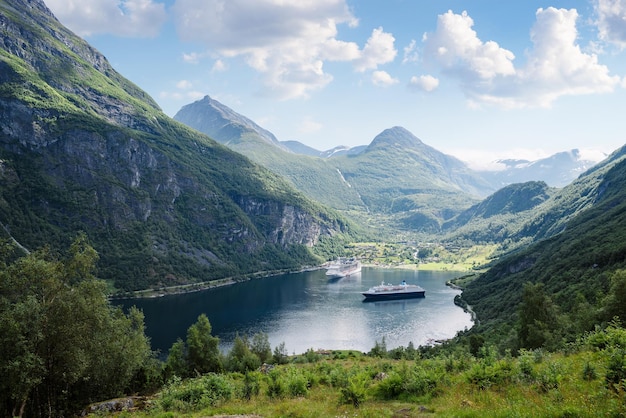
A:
(477, 79)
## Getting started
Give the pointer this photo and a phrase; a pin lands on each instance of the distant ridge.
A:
(557, 170)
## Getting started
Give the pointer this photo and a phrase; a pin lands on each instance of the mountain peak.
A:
(398, 137)
(220, 122)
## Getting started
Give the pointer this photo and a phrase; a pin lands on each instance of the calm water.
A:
(306, 310)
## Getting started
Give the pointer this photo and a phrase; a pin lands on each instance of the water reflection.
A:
(306, 310)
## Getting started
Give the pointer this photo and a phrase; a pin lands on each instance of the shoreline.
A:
(228, 281)
(182, 289)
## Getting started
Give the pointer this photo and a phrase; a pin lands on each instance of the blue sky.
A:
(479, 79)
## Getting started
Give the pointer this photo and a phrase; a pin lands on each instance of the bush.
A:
(297, 384)
(275, 384)
(485, 375)
(251, 385)
(526, 366)
(184, 396)
(354, 392)
(550, 378)
(616, 369)
(338, 377)
(379, 350)
(280, 355)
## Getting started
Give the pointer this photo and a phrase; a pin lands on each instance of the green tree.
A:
(538, 319)
(260, 346)
(614, 305)
(62, 344)
(176, 364)
(280, 354)
(241, 358)
(203, 355)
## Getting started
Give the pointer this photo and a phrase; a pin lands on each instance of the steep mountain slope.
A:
(398, 165)
(312, 176)
(395, 174)
(222, 123)
(501, 214)
(575, 262)
(527, 212)
(82, 148)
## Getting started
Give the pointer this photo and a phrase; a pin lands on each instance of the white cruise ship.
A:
(343, 267)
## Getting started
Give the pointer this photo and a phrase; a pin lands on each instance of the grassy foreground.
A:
(586, 380)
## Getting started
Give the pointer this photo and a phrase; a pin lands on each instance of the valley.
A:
(102, 195)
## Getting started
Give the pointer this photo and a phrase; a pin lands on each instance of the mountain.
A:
(396, 173)
(499, 215)
(299, 148)
(528, 212)
(223, 124)
(574, 261)
(343, 150)
(312, 176)
(84, 149)
(558, 170)
(397, 167)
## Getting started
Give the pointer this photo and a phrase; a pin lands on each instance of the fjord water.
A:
(306, 310)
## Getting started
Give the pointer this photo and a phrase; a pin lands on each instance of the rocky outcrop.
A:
(83, 149)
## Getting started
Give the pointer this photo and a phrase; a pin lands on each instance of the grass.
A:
(570, 383)
(441, 258)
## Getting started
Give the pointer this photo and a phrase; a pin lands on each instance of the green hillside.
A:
(83, 149)
(396, 175)
(574, 269)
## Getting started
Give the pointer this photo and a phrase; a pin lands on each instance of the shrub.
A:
(338, 377)
(391, 386)
(379, 350)
(275, 384)
(297, 384)
(485, 375)
(354, 392)
(251, 386)
(280, 355)
(183, 396)
(526, 366)
(616, 369)
(589, 372)
(550, 378)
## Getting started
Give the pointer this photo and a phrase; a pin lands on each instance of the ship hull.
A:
(394, 296)
(390, 292)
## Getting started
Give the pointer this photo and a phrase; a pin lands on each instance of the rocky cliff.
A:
(82, 148)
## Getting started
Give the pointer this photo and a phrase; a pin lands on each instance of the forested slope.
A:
(83, 149)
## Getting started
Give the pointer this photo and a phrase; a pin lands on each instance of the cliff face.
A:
(81, 148)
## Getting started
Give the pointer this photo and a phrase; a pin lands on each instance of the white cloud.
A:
(192, 58)
(456, 47)
(309, 126)
(288, 41)
(611, 21)
(184, 84)
(426, 83)
(410, 53)
(378, 50)
(127, 18)
(219, 66)
(186, 96)
(556, 66)
(383, 79)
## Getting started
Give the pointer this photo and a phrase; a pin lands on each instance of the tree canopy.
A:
(62, 344)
